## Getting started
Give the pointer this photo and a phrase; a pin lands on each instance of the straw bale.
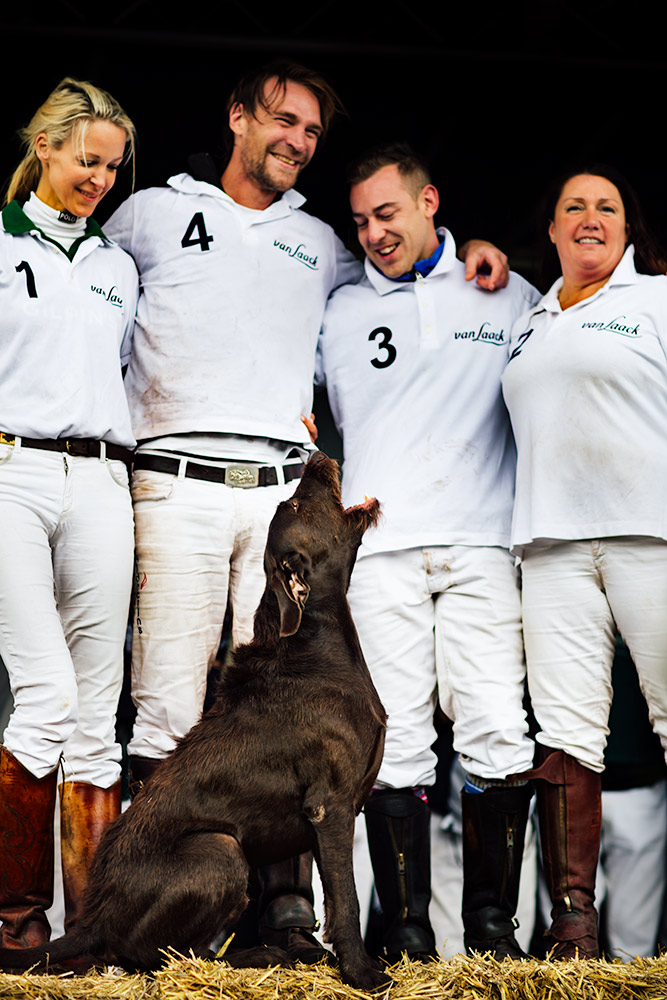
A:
(108, 984)
(459, 978)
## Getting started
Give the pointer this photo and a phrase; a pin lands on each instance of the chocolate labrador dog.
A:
(281, 764)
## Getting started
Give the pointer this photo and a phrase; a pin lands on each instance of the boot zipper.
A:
(562, 823)
(403, 884)
(402, 881)
(507, 863)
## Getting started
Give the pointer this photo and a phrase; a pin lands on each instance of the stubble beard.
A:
(257, 168)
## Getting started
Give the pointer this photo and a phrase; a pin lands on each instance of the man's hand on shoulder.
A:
(486, 263)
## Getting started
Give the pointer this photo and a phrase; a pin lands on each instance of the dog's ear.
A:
(289, 584)
(364, 515)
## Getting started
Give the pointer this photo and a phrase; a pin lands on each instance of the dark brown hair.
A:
(411, 166)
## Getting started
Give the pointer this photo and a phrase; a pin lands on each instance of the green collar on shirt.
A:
(16, 222)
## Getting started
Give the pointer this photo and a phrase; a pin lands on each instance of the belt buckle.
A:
(7, 438)
(75, 446)
(243, 477)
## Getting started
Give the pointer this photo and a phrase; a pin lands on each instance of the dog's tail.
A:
(80, 941)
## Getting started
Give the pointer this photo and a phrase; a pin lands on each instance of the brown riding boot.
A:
(85, 811)
(27, 805)
(570, 816)
(286, 914)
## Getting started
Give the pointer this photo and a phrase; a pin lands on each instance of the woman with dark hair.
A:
(649, 257)
(68, 298)
(586, 388)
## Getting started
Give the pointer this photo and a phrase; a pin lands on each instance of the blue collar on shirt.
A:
(423, 267)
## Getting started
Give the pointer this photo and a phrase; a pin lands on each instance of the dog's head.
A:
(313, 541)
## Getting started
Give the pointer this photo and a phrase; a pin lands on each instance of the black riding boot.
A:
(494, 829)
(399, 840)
(286, 914)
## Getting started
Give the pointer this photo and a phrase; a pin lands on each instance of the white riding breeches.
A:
(575, 596)
(195, 542)
(444, 621)
(66, 550)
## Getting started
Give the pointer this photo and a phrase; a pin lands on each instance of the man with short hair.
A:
(412, 358)
(234, 282)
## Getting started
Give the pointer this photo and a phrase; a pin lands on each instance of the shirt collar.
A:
(15, 221)
(624, 273)
(282, 206)
(446, 259)
(425, 266)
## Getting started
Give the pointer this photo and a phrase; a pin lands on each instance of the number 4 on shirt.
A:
(198, 226)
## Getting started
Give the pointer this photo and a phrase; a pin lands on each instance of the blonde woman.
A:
(67, 302)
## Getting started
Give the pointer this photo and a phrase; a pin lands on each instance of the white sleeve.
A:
(326, 376)
(526, 298)
(320, 377)
(661, 308)
(130, 309)
(349, 270)
(120, 227)
(529, 293)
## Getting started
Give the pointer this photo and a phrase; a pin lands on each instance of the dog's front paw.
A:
(369, 977)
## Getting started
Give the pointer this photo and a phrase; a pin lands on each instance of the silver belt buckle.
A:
(243, 477)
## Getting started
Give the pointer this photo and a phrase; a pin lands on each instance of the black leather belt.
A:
(239, 474)
(87, 447)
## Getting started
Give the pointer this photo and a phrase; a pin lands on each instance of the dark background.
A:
(497, 97)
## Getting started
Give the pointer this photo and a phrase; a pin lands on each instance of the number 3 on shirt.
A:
(384, 345)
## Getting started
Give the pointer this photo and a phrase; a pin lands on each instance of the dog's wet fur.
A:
(281, 764)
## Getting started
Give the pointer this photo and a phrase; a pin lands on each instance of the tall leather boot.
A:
(570, 816)
(286, 914)
(494, 830)
(399, 841)
(85, 811)
(141, 771)
(27, 805)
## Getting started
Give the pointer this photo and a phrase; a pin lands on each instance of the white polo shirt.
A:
(413, 375)
(67, 322)
(230, 309)
(586, 388)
